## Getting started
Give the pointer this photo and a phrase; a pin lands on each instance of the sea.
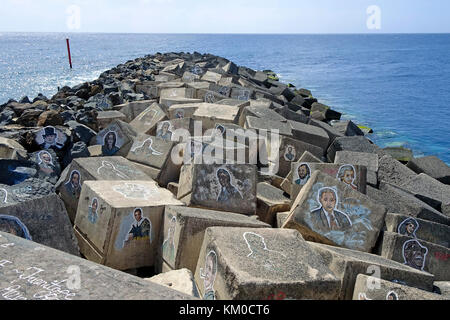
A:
(396, 84)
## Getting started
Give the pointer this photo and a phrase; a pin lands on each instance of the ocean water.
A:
(398, 85)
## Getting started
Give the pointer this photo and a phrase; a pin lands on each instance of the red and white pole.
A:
(68, 50)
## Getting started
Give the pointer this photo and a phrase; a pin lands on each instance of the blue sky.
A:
(228, 16)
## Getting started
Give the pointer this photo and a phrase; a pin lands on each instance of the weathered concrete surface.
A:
(146, 121)
(43, 220)
(31, 271)
(310, 134)
(118, 222)
(271, 200)
(328, 211)
(183, 231)
(85, 169)
(288, 152)
(348, 264)
(27, 190)
(156, 153)
(281, 218)
(253, 264)
(431, 191)
(352, 175)
(368, 160)
(219, 187)
(179, 280)
(417, 228)
(104, 118)
(393, 171)
(387, 290)
(133, 109)
(211, 114)
(432, 166)
(400, 201)
(444, 288)
(356, 144)
(259, 124)
(419, 254)
(10, 149)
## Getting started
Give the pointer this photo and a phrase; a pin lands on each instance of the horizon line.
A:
(225, 33)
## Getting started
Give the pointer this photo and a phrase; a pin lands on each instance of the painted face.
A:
(209, 272)
(50, 139)
(110, 141)
(349, 176)
(138, 215)
(328, 201)
(94, 205)
(46, 157)
(165, 127)
(410, 228)
(415, 256)
(302, 172)
(75, 180)
(224, 179)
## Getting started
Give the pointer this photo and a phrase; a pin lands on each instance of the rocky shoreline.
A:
(310, 213)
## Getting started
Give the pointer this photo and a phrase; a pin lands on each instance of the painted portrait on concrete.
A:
(110, 146)
(140, 229)
(50, 137)
(208, 274)
(408, 227)
(228, 190)
(169, 243)
(14, 226)
(302, 174)
(73, 185)
(165, 131)
(347, 175)
(93, 211)
(414, 254)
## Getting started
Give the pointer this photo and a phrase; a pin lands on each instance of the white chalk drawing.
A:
(135, 191)
(145, 147)
(409, 227)
(110, 146)
(347, 175)
(290, 153)
(302, 174)
(362, 296)
(93, 211)
(328, 217)
(414, 254)
(109, 169)
(244, 95)
(228, 191)
(73, 185)
(3, 195)
(208, 274)
(258, 250)
(50, 137)
(140, 229)
(165, 131)
(392, 295)
(168, 246)
(14, 226)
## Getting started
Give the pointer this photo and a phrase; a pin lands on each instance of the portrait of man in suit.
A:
(328, 217)
(50, 136)
(290, 154)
